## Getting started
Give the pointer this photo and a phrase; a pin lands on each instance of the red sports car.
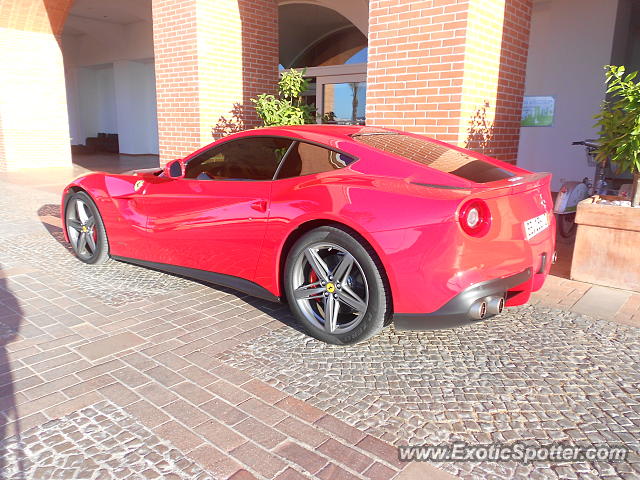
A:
(353, 226)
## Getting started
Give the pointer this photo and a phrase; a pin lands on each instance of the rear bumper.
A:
(455, 312)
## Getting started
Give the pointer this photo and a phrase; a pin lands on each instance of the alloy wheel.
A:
(330, 288)
(81, 225)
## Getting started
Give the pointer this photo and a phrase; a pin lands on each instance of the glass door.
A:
(342, 99)
(339, 93)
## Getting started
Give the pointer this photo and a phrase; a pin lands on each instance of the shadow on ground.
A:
(277, 311)
(10, 321)
(53, 210)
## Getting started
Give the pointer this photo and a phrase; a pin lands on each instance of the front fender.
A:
(116, 199)
(93, 185)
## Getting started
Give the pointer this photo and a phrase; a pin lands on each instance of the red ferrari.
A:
(354, 227)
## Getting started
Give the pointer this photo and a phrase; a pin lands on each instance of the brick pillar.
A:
(450, 69)
(34, 125)
(211, 58)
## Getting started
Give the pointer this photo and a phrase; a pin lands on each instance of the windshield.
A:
(434, 155)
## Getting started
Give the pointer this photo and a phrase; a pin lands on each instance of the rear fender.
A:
(304, 222)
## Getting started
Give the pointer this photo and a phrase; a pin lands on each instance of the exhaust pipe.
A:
(495, 305)
(478, 310)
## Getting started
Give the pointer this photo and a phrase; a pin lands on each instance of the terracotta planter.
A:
(607, 245)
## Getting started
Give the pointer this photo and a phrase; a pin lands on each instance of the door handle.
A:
(259, 205)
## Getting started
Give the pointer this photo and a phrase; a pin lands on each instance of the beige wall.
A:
(570, 42)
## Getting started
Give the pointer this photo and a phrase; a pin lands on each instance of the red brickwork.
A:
(44, 16)
(260, 53)
(211, 58)
(33, 104)
(176, 68)
(511, 82)
(449, 68)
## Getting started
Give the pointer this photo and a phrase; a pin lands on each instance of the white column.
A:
(136, 107)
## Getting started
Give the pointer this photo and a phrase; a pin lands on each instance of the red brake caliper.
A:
(313, 278)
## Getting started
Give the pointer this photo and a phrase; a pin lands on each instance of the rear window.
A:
(307, 159)
(435, 156)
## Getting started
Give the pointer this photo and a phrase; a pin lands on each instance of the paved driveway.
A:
(121, 372)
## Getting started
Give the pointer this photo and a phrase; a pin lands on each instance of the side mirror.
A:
(174, 169)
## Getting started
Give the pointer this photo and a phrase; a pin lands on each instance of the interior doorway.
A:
(332, 52)
(110, 80)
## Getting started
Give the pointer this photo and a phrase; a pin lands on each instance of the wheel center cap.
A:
(84, 229)
(331, 287)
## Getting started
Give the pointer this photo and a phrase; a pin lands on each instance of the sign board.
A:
(538, 111)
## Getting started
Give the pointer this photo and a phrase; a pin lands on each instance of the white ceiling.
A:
(111, 11)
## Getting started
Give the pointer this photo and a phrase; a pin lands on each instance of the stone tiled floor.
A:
(216, 384)
(74, 337)
(620, 306)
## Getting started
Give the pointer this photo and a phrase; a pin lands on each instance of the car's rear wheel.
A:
(335, 287)
(85, 229)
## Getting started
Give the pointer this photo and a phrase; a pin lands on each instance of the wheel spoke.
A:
(74, 235)
(351, 299)
(317, 264)
(81, 210)
(91, 221)
(309, 292)
(90, 241)
(341, 272)
(74, 224)
(82, 242)
(331, 309)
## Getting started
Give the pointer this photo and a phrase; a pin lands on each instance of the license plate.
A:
(536, 225)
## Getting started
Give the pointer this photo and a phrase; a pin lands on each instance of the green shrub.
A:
(287, 108)
(619, 121)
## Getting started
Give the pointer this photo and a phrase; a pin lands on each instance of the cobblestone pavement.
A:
(73, 337)
(534, 375)
(134, 369)
(98, 442)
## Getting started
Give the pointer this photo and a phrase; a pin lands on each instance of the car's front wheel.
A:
(335, 287)
(85, 229)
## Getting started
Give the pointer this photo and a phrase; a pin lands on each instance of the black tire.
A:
(94, 230)
(368, 272)
(567, 225)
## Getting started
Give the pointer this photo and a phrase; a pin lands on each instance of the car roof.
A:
(318, 132)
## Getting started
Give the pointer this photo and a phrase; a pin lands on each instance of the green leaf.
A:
(287, 108)
(618, 121)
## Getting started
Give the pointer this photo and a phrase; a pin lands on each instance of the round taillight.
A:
(475, 218)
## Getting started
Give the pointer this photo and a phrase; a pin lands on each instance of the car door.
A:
(215, 217)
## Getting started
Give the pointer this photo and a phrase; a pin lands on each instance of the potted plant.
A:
(619, 124)
(608, 233)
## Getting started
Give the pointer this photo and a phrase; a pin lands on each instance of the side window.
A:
(254, 158)
(307, 159)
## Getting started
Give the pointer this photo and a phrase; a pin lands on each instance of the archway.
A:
(328, 40)
(110, 80)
